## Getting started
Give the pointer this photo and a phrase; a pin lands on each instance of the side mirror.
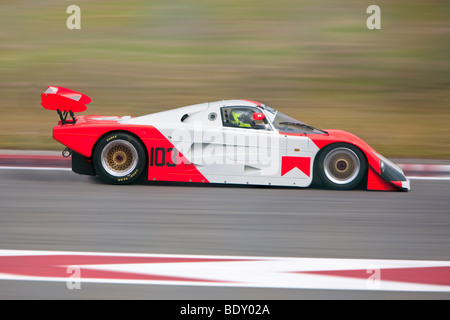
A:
(257, 116)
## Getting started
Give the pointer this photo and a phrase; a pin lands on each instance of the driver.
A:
(242, 118)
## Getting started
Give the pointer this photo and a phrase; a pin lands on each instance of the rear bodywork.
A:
(193, 144)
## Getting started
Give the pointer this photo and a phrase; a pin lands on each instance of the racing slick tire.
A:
(341, 166)
(119, 158)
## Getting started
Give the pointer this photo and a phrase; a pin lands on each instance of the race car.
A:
(221, 142)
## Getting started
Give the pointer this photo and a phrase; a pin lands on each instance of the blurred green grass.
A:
(314, 60)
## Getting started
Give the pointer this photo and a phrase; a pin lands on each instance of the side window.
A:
(242, 117)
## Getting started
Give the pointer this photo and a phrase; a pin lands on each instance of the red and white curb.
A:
(35, 162)
(228, 271)
(426, 171)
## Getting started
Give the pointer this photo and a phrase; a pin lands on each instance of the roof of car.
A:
(241, 102)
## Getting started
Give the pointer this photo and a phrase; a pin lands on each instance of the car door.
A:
(297, 165)
(240, 151)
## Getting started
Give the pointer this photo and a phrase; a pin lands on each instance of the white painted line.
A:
(35, 168)
(430, 178)
(69, 169)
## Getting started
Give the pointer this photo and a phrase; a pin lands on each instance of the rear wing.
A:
(65, 102)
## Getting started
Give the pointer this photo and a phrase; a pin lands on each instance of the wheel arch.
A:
(124, 132)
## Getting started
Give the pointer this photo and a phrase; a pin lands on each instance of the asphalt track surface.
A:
(63, 211)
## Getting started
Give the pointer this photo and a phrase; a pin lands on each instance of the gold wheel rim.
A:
(119, 158)
(342, 165)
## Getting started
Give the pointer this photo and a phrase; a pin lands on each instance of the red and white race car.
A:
(231, 142)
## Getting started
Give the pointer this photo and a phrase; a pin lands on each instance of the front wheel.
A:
(119, 158)
(341, 166)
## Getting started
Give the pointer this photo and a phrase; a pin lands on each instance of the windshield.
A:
(287, 124)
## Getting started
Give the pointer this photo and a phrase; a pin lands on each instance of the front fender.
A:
(382, 173)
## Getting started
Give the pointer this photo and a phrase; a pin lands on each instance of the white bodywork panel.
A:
(231, 154)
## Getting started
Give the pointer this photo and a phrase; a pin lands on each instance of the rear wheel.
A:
(119, 158)
(341, 166)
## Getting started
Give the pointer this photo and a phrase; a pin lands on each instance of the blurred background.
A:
(314, 60)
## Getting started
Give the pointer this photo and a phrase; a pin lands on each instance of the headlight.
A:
(390, 171)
